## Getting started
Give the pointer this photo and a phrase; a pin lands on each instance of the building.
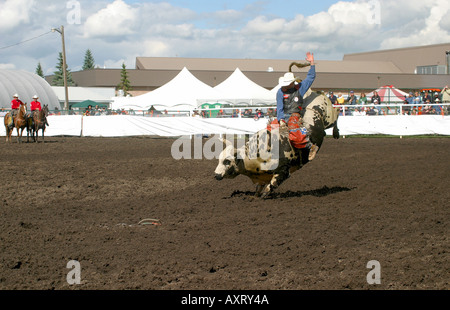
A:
(412, 68)
(101, 95)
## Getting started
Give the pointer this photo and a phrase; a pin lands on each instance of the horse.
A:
(9, 126)
(40, 122)
(30, 127)
(20, 123)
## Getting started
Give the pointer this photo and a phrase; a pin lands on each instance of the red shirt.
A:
(35, 105)
(15, 104)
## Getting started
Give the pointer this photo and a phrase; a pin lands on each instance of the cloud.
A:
(7, 67)
(118, 19)
(118, 31)
(445, 22)
(14, 13)
(155, 48)
(430, 28)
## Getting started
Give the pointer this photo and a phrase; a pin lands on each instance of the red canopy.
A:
(389, 94)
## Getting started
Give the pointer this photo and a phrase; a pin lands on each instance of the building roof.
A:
(366, 71)
(261, 65)
(80, 94)
(406, 59)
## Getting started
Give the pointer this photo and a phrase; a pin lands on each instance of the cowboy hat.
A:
(287, 79)
(15, 96)
(35, 97)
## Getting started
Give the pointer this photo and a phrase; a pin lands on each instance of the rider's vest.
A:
(292, 101)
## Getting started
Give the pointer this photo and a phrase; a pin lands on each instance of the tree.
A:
(39, 70)
(89, 62)
(58, 78)
(124, 82)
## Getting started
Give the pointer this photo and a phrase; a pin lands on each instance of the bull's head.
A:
(227, 167)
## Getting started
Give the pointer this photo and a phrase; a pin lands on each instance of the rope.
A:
(298, 65)
(5, 47)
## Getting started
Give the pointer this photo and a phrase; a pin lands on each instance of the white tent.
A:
(274, 91)
(179, 94)
(238, 89)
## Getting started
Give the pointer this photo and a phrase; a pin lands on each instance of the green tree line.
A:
(88, 64)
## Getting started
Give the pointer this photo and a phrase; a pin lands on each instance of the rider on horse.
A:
(15, 105)
(36, 107)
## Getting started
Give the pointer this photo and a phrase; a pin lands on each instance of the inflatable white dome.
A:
(26, 85)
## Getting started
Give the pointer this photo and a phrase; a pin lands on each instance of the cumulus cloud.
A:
(445, 22)
(427, 30)
(116, 20)
(118, 31)
(155, 48)
(14, 13)
(7, 67)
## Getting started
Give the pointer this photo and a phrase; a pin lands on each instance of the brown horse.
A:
(9, 126)
(20, 123)
(40, 122)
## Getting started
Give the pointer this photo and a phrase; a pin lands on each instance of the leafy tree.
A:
(124, 84)
(58, 78)
(89, 62)
(39, 70)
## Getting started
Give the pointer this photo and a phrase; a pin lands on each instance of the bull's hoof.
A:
(266, 195)
(336, 133)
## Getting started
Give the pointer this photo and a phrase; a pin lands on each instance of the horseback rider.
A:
(15, 105)
(36, 107)
(290, 107)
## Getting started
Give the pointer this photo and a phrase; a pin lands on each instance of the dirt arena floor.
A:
(361, 199)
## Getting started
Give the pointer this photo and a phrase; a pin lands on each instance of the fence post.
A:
(81, 133)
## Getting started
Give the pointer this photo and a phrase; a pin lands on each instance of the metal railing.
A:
(270, 111)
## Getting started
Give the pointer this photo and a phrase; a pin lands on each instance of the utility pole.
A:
(66, 102)
(447, 53)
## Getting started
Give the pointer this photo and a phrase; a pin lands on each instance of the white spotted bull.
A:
(268, 157)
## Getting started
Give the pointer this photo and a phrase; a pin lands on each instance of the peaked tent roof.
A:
(238, 86)
(389, 93)
(181, 93)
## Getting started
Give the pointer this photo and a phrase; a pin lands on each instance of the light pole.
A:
(448, 61)
(66, 102)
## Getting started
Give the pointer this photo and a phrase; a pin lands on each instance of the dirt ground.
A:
(361, 199)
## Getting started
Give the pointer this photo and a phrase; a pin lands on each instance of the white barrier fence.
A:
(127, 125)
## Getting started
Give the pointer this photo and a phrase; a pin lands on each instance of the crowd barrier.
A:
(136, 125)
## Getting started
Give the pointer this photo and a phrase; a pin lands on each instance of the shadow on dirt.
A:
(321, 192)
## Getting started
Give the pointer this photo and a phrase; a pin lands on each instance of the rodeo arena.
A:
(230, 174)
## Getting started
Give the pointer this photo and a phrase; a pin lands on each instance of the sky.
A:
(118, 31)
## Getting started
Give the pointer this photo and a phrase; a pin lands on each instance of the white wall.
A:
(126, 125)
